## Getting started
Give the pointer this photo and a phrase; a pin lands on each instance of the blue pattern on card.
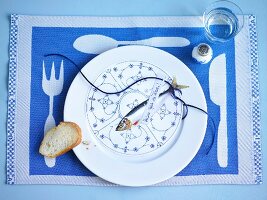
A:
(46, 40)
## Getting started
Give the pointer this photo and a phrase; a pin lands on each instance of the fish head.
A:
(125, 124)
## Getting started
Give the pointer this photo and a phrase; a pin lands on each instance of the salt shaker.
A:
(202, 53)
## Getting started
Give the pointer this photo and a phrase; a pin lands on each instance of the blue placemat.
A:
(29, 105)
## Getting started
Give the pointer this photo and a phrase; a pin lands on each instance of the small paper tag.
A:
(150, 107)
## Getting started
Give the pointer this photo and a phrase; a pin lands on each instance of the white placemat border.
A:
(20, 174)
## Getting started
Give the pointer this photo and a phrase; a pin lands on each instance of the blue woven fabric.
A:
(47, 40)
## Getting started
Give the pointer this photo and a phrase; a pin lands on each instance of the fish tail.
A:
(177, 86)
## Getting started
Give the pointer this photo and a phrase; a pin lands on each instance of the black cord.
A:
(172, 91)
(186, 112)
(117, 92)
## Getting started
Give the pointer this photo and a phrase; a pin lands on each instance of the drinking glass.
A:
(222, 20)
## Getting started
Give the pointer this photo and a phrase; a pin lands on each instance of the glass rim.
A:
(226, 1)
(230, 3)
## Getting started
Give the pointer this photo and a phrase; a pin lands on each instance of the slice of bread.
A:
(60, 139)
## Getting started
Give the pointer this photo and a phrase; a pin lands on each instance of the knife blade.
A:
(217, 85)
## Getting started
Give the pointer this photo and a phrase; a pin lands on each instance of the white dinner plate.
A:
(150, 152)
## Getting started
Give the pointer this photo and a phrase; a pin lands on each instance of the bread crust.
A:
(79, 139)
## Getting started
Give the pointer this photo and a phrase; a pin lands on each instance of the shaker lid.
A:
(203, 49)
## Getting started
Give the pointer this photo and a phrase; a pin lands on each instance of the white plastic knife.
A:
(217, 85)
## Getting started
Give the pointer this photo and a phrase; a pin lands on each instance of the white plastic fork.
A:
(52, 87)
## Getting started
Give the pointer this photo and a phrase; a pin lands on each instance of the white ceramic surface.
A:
(134, 169)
